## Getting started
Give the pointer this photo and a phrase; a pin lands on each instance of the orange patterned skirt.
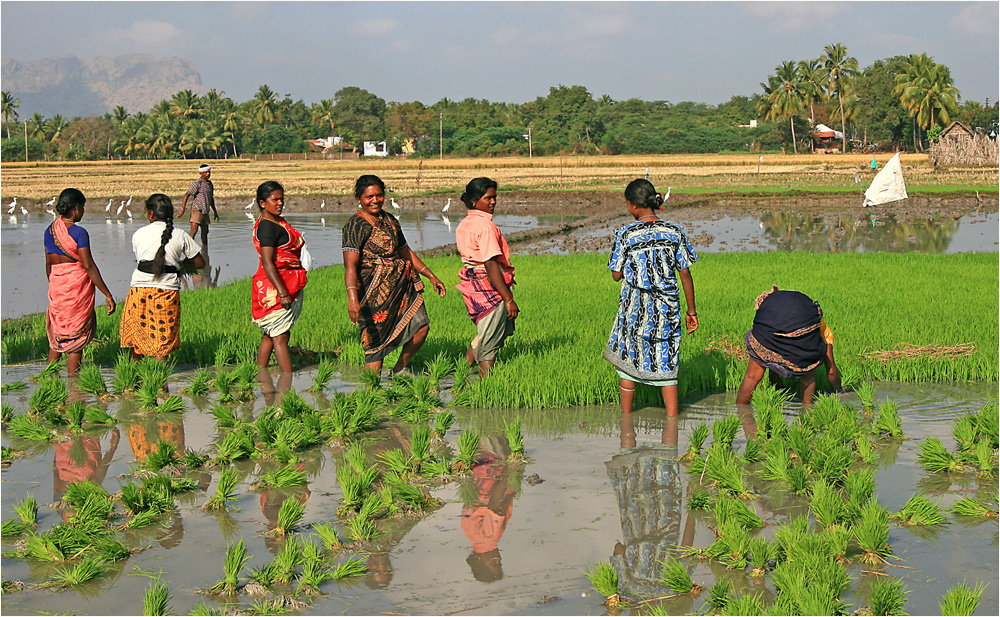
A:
(151, 321)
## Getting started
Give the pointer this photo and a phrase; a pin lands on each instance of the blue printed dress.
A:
(646, 338)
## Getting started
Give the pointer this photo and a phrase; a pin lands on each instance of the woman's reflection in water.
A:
(489, 504)
(79, 458)
(647, 481)
(273, 391)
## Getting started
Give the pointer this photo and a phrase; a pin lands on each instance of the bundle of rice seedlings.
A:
(798, 439)
(171, 404)
(314, 574)
(823, 412)
(376, 504)
(75, 413)
(791, 534)
(836, 538)
(731, 546)
(42, 548)
(78, 492)
(201, 384)
(872, 533)
(725, 428)
(698, 437)
(777, 461)
(961, 599)
(245, 375)
(96, 415)
(286, 563)
(87, 570)
(324, 373)
(462, 371)
(722, 466)
(364, 417)
(420, 445)
(515, 438)
(91, 380)
(762, 553)
(887, 597)
(731, 509)
(225, 490)
(410, 496)
(50, 394)
(148, 394)
(362, 529)
(226, 417)
(346, 569)
(604, 578)
(237, 444)
(236, 558)
(700, 500)
(328, 536)
(223, 382)
(989, 424)
(27, 510)
(753, 452)
(836, 463)
(766, 396)
(440, 469)
(984, 457)
(51, 369)
(395, 461)
(164, 454)
(859, 488)
(12, 528)
(13, 385)
(887, 425)
(156, 372)
(371, 379)
(820, 600)
(356, 458)
(157, 599)
(827, 506)
(203, 610)
(282, 477)
(356, 485)
(265, 575)
(6, 412)
(412, 411)
(126, 374)
(936, 458)
(798, 480)
(866, 394)
(439, 367)
(676, 577)
(865, 451)
(968, 506)
(294, 406)
(289, 516)
(719, 594)
(746, 604)
(468, 446)
(919, 510)
(137, 499)
(443, 422)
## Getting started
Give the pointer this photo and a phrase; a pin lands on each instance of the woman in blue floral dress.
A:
(646, 338)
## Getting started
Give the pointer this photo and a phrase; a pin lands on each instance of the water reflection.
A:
(81, 458)
(489, 504)
(869, 231)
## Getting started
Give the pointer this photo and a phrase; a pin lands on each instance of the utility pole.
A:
(441, 135)
(529, 142)
(25, 141)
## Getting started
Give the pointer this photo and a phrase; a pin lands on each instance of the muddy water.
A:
(610, 490)
(231, 253)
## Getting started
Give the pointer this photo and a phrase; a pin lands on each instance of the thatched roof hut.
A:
(960, 145)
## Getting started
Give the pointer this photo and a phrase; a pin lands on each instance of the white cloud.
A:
(375, 27)
(794, 16)
(978, 19)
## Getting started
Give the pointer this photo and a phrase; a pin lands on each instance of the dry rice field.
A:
(36, 183)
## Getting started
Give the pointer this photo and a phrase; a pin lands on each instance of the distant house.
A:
(324, 144)
(827, 138)
(960, 145)
(372, 148)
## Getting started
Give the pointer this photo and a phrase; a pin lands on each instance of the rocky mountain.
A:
(72, 87)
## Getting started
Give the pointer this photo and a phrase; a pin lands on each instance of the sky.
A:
(508, 51)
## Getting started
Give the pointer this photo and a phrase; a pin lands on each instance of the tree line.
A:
(897, 103)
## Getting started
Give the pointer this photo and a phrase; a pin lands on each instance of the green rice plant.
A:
(968, 506)
(362, 529)
(440, 469)
(376, 504)
(919, 510)
(936, 458)
(753, 451)
(91, 380)
(515, 438)
(204, 610)
(225, 490)
(859, 488)
(51, 369)
(142, 519)
(283, 477)
(827, 506)
(164, 454)
(439, 368)
(201, 384)
(7, 412)
(461, 376)
(420, 445)
(820, 600)
(823, 412)
(157, 599)
(719, 594)
(87, 570)
(964, 431)
(729, 508)
(443, 422)
(13, 385)
(798, 480)
(126, 374)
(762, 553)
(792, 534)
(96, 507)
(370, 379)
(226, 417)
(746, 604)
(395, 461)
(731, 546)
(777, 461)
(223, 383)
(148, 395)
(411, 497)
(604, 578)
(989, 424)
(866, 394)
(700, 500)
(314, 574)
(237, 444)
(961, 599)
(887, 597)
(50, 394)
(171, 404)
(698, 437)
(356, 458)
(294, 406)
(837, 461)
(887, 425)
(328, 536)
(421, 389)
(12, 528)
(324, 373)
(245, 375)
(984, 457)
(836, 539)
(356, 485)
(349, 568)
(468, 446)
(766, 396)
(725, 428)
(27, 510)
(146, 498)
(236, 558)
(872, 533)
(289, 516)
(798, 438)
(75, 414)
(154, 372)
(78, 492)
(42, 548)
(865, 451)
(676, 577)
(722, 466)
(286, 563)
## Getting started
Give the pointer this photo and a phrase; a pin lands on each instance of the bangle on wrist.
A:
(694, 314)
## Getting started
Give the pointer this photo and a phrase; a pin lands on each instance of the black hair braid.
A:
(163, 210)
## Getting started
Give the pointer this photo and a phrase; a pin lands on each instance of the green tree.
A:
(185, 104)
(200, 136)
(924, 88)
(323, 114)
(784, 96)
(263, 104)
(840, 70)
(9, 110)
(120, 114)
(877, 111)
(359, 114)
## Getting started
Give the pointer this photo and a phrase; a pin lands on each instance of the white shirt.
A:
(145, 244)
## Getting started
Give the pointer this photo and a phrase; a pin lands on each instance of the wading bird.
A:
(51, 202)
(120, 208)
(446, 206)
(107, 208)
(249, 205)
(392, 200)
(667, 196)
(322, 204)
(24, 210)
(128, 212)
(128, 203)
(12, 204)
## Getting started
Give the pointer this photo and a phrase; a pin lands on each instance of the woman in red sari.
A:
(70, 321)
(277, 287)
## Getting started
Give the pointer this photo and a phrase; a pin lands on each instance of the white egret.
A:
(322, 204)
(12, 204)
(128, 212)
(120, 208)
(107, 208)
(51, 202)
(445, 208)
(249, 205)
(24, 210)
(667, 196)
(128, 203)
(392, 200)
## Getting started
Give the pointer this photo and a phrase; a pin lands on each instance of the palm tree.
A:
(185, 104)
(925, 88)
(811, 84)
(56, 126)
(264, 103)
(119, 115)
(10, 105)
(840, 70)
(323, 114)
(785, 100)
(37, 127)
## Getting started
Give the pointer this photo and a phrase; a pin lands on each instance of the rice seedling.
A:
(820, 600)
(349, 568)
(887, 425)
(356, 485)
(91, 380)
(6, 412)
(395, 461)
(420, 445)
(766, 396)
(753, 451)
(157, 599)
(75, 413)
(412, 411)
(78, 492)
(698, 437)
(328, 536)
(724, 429)
(771, 421)
(798, 480)
(515, 438)
(722, 466)
(171, 404)
(729, 509)
(13, 385)
(51, 369)
(27, 510)
(700, 500)
(324, 373)
(936, 458)
(836, 539)
(676, 577)
(282, 477)
(604, 578)
(827, 506)
(164, 454)
(968, 506)
(223, 383)
(468, 446)
(225, 490)
(823, 412)
(201, 384)
(146, 498)
(859, 488)
(362, 529)
(836, 463)
(314, 574)
(989, 424)
(12, 528)
(919, 510)
(50, 394)
(42, 548)
(762, 553)
(777, 461)
(237, 444)
(791, 534)
(732, 545)
(747, 604)
(866, 394)
(286, 563)
(289, 516)
(443, 422)
(461, 376)
(370, 379)
(148, 394)
(719, 594)
(864, 449)
(872, 533)
(204, 610)
(887, 597)
(440, 469)
(961, 599)
(87, 570)
(227, 417)
(984, 457)
(798, 439)
(126, 374)
(236, 558)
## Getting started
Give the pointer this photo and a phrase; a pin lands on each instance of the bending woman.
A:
(786, 340)
(382, 276)
(646, 338)
(70, 321)
(277, 288)
(151, 321)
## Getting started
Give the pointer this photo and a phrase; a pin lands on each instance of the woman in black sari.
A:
(382, 276)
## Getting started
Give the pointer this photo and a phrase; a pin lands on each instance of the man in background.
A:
(203, 192)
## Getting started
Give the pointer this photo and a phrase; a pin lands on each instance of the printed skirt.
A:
(151, 321)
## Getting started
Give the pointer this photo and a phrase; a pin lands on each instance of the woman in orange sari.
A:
(70, 321)
(277, 288)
